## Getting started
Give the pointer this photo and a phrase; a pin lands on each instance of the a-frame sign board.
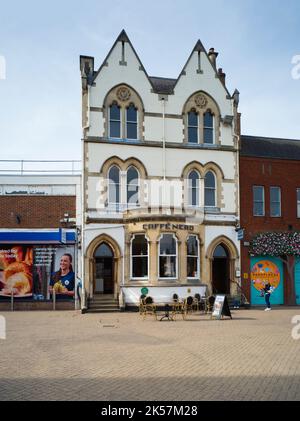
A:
(221, 307)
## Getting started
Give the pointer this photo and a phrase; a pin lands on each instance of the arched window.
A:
(132, 186)
(115, 121)
(131, 122)
(139, 257)
(220, 251)
(114, 185)
(208, 135)
(210, 189)
(193, 188)
(193, 261)
(168, 257)
(192, 127)
(103, 251)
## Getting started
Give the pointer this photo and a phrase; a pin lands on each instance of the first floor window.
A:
(168, 256)
(139, 256)
(132, 186)
(209, 190)
(193, 188)
(275, 201)
(298, 203)
(193, 257)
(258, 201)
(131, 122)
(114, 185)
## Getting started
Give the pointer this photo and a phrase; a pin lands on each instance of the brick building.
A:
(270, 217)
(38, 227)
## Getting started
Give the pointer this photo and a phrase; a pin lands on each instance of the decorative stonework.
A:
(123, 94)
(201, 101)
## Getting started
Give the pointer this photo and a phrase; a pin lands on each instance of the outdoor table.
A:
(168, 308)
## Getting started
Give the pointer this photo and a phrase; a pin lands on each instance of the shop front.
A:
(165, 257)
(36, 263)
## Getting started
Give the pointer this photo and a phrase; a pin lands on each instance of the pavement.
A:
(64, 355)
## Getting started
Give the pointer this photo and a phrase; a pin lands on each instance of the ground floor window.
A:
(168, 256)
(139, 257)
(193, 266)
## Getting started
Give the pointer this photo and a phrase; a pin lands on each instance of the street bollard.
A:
(54, 299)
(12, 300)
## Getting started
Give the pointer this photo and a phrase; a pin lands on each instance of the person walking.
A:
(267, 291)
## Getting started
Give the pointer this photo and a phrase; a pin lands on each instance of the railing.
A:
(35, 167)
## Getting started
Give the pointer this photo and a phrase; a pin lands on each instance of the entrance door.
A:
(104, 270)
(220, 271)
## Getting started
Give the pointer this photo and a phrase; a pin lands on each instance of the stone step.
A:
(101, 310)
(104, 306)
(103, 301)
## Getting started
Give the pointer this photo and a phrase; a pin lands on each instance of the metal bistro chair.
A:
(197, 302)
(210, 303)
(142, 305)
(176, 306)
(149, 307)
(187, 306)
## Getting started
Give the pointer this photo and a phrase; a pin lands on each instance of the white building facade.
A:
(160, 202)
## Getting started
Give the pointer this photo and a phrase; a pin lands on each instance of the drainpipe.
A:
(84, 292)
(162, 98)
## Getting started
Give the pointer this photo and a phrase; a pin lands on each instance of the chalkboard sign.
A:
(221, 307)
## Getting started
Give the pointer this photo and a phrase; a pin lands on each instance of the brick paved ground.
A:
(69, 356)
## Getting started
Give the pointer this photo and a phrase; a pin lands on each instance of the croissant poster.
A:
(34, 272)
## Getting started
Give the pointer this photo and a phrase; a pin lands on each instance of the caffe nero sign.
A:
(169, 227)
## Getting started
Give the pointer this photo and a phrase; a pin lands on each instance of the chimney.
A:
(221, 76)
(212, 55)
(86, 70)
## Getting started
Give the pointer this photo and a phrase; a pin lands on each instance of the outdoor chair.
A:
(197, 302)
(142, 305)
(210, 303)
(177, 305)
(149, 307)
(187, 306)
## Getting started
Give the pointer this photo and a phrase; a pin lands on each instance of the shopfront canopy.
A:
(43, 236)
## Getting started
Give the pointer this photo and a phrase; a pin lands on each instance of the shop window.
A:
(115, 121)
(114, 185)
(193, 188)
(131, 122)
(210, 189)
(258, 201)
(275, 201)
(208, 136)
(298, 203)
(139, 257)
(132, 187)
(168, 257)
(193, 257)
(192, 127)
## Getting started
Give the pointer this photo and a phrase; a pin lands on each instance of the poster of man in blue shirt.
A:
(63, 281)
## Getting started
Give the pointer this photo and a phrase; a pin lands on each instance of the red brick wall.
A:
(267, 172)
(35, 211)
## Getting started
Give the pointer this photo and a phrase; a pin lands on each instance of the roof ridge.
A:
(270, 138)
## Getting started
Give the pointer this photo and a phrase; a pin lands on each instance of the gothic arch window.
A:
(123, 114)
(208, 129)
(131, 122)
(132, 186)
(202, 119)
(115, 121)
(193, 188)
(209, 189)
(114, 190)
(193, 126)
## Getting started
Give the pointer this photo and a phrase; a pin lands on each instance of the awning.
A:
(35, 236)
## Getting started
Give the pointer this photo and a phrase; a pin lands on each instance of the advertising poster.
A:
(33, 272)
(266, 270)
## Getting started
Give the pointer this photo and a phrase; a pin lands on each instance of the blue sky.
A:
(41, 42)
